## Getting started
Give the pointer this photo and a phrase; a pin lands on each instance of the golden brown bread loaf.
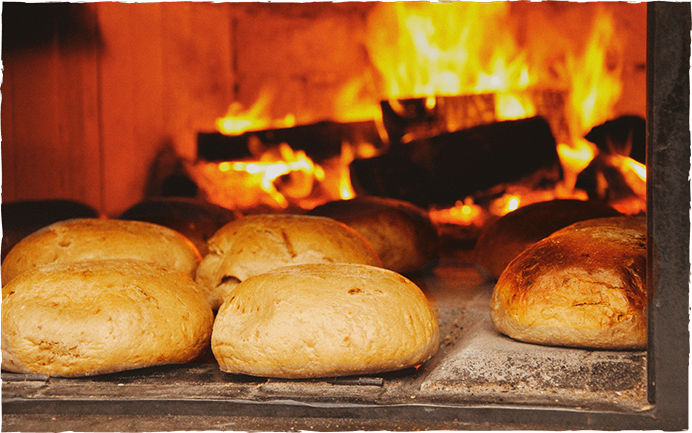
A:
(509, 235)
(401, 233)
(583, 286)
(98, 239)
(324, 320)
(85, 318)
(256, 244)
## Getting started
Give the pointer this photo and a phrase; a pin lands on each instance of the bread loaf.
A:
(195, 219)
(401, 233)
(86, 318)
(503, 240)
(583, 286)
(256, 244)
(98, 239)
(324, 320)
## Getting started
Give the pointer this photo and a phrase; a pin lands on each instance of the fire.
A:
(238, 119)
(464, 212)
(280, 178)
(595, 76)
(426, 50)
(442, 49)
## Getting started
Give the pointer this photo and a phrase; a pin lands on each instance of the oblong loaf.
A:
(324, 320)
(100, 239)
(86, 318)
(401, 233)
(256, 244)
(583, 286)
(506, 237)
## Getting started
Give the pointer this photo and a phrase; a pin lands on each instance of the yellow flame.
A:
(238, 119)
(442, 49)
(595, 76)
(464, 212)
(345, 187)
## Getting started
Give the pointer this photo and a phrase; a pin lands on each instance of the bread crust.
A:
(86, 318)
(324, 320)
(583, 286)
(98, 239)
(256, 244)
(509, 235)
(401, 233)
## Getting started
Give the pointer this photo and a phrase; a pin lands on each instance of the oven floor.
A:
(475, 367)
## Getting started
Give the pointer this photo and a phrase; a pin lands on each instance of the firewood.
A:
(320, 141)
(448, 167)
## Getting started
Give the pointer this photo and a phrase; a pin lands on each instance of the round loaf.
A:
(195, 219)
(583, 286)
(401, 233)
(98, 239)
(324, 320)
(86, 318)
(502, 240)
(255, 244)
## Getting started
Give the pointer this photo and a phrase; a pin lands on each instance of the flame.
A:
(595, 76)
(464, 212)
(442, 49)
(238, 119)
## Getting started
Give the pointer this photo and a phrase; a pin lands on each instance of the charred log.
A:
(624, 136)
(607, 178)
(443, 169)
(321, 140)
(411, 119)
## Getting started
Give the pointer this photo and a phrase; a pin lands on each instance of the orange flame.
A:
(441, 49)
(238, 119)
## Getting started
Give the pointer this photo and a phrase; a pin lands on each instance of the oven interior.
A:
(101, 109)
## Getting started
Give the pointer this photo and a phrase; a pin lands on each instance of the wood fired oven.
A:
(478, 380)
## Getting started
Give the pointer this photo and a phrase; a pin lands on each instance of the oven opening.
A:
(467, 111)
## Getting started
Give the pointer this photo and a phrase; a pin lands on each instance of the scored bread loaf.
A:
(401, 233)
(324, 320)
(256, 244)
(583, 286)
(86, 318)
(98, 239)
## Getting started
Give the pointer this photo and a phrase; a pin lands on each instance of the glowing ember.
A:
(463, 213)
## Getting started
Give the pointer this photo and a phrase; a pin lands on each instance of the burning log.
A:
(443, 169)
(625, 136)
(411, 119)
(321, 140)
(617, 179)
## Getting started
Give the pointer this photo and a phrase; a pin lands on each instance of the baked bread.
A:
(503, 239)
(324, 320)
(401, 233)
(256, 244)
(86, 318)
(583, 286)
(23, 217)
(196, 219)
(98, 239)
